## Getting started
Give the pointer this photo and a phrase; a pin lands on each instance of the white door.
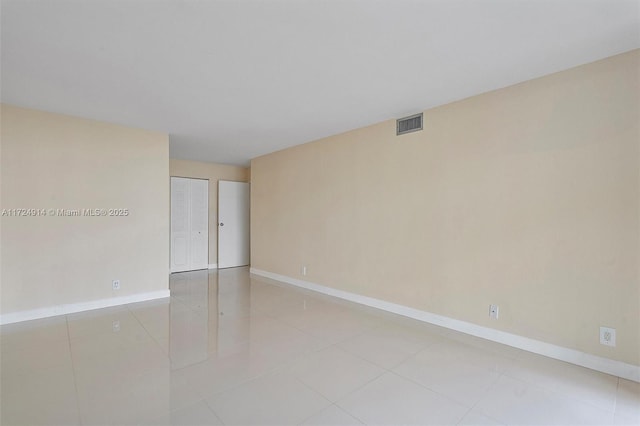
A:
(233, 224)
(189, 224)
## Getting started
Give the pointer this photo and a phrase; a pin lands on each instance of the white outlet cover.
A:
(607, 336)
(493, 311)
(115, 284)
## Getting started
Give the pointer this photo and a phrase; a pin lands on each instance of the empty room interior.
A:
(392, 212)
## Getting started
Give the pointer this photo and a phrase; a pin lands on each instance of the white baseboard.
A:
(213, 266)
(604, 365)
(72, 308)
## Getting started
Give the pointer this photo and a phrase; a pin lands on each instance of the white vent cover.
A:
(409, 124)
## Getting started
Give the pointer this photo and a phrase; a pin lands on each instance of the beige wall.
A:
(213, 172)
(62, 162)
(526, 197)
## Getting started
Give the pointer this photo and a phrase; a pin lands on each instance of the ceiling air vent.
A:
(409, 124)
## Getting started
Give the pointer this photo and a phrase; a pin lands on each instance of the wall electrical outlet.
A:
(493, 311)
(607, 336)
(115, 284)
(304, 271)
(116, 326)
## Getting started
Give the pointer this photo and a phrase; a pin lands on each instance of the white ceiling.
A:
(232, 80)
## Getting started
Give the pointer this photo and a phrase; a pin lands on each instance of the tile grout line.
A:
(464, 415)
(212, 410)
(448, 398)
(73, 369)
(615, 401)
(149, 334)
(569, 396)
(315, 392)
(487, 390)
(563, 395)
(385, 371)
(128, 307)
(209, 407)
(435, 391)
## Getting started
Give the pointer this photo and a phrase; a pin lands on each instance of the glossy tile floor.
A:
(238, 350)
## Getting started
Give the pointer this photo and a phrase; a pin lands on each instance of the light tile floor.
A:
(230, 349)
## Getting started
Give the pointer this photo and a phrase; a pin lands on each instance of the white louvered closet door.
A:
(189, 224)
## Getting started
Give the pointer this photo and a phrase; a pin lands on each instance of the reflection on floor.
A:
(237, 350)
